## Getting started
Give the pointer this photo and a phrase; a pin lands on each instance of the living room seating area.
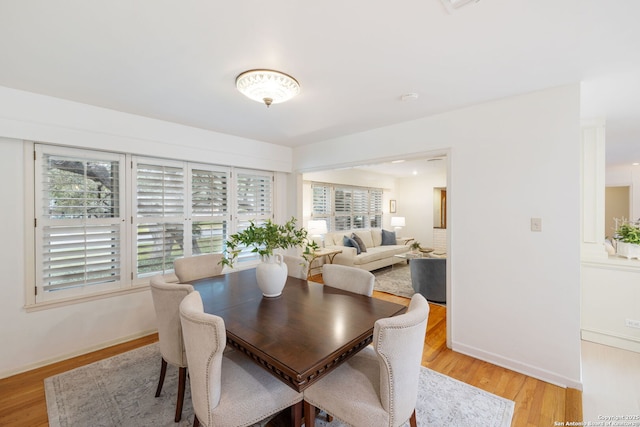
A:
(366, 249)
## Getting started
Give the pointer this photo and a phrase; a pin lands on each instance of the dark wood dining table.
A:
(300, 335)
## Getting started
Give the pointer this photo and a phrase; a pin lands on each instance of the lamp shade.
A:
(317, 227)
(397, 221)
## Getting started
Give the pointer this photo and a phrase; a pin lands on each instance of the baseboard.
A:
(514, 365)
(80, 352)
(610, 340)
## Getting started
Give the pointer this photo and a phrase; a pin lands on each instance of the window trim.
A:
(41, 222)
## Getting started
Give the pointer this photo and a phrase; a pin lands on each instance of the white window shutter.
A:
(79, 200)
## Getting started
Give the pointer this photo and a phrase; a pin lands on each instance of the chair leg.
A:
(182, 380)
(412, 421)
(296, 414)
(163, 371)
(196, 422)
(309, 415)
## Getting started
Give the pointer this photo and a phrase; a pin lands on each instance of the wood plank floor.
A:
(22, 399)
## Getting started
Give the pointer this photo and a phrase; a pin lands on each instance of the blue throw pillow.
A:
(388, 238)
(348, 241)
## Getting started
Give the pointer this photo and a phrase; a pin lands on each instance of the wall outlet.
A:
(632, 323)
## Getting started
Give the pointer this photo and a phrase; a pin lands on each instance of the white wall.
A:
(415, 203)
(38, 337)
(515, 294)
(610, 292)
(623, 176)
(610, 296)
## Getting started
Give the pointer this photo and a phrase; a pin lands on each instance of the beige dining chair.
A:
(197, 267)
(297, 266)
(166, 302)
(379, 385)
(228, 388)
(349, 279)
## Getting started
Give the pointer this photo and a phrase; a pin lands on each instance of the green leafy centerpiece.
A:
(271, 273)
(628, 239)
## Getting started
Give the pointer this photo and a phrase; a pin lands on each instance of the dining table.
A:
(298, 336)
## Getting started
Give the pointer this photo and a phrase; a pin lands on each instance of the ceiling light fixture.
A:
(268, 86)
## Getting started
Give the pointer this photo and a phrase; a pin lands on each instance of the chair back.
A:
(399, 342)
(297, 266)
(205, 340)
(349, 279)
(197, 267)
(166, 302)
(429, 277)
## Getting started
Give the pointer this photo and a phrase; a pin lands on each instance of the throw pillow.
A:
(363, 247)
(388, 238)
(348, 241)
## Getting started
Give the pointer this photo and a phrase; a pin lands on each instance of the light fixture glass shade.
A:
(397, 221)
(317, 227)
(268, 86)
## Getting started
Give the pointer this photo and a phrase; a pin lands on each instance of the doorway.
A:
(616, 205)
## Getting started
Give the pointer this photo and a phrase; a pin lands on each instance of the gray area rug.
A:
(394, 280)
(119, 391)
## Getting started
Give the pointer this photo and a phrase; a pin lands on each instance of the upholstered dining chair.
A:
(297, 266)
(197, 267)
(379, 385)
(166, 302)
(348, 278)
(228, 388)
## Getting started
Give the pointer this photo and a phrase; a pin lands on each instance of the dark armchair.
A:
(429, 278)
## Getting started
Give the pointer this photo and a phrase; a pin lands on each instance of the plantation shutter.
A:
(375, 208)
(360, 208)
(346, 207)
(321, 203)
(343, 202)
(209, 209)
(159, 215)
(254, 202)
(79, 221)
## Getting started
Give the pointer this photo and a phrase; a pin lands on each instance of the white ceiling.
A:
(177, 60)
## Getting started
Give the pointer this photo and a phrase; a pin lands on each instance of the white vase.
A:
(271, 275)
(628, 250)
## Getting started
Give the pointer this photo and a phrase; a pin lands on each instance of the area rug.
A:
(394, 280)
(119, 391)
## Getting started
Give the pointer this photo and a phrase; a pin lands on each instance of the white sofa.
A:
(376, 255)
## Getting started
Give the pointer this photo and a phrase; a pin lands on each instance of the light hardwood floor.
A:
(22, 399)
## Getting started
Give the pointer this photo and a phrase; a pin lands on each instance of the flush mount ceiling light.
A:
(268, 86)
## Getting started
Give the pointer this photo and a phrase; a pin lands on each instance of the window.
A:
(321, 206)
(107, 221)
(79, 221)
(254, 203)
(346, 207)
(209, 209)
(159, 217)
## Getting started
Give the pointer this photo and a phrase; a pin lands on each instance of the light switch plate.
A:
(536, 224)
